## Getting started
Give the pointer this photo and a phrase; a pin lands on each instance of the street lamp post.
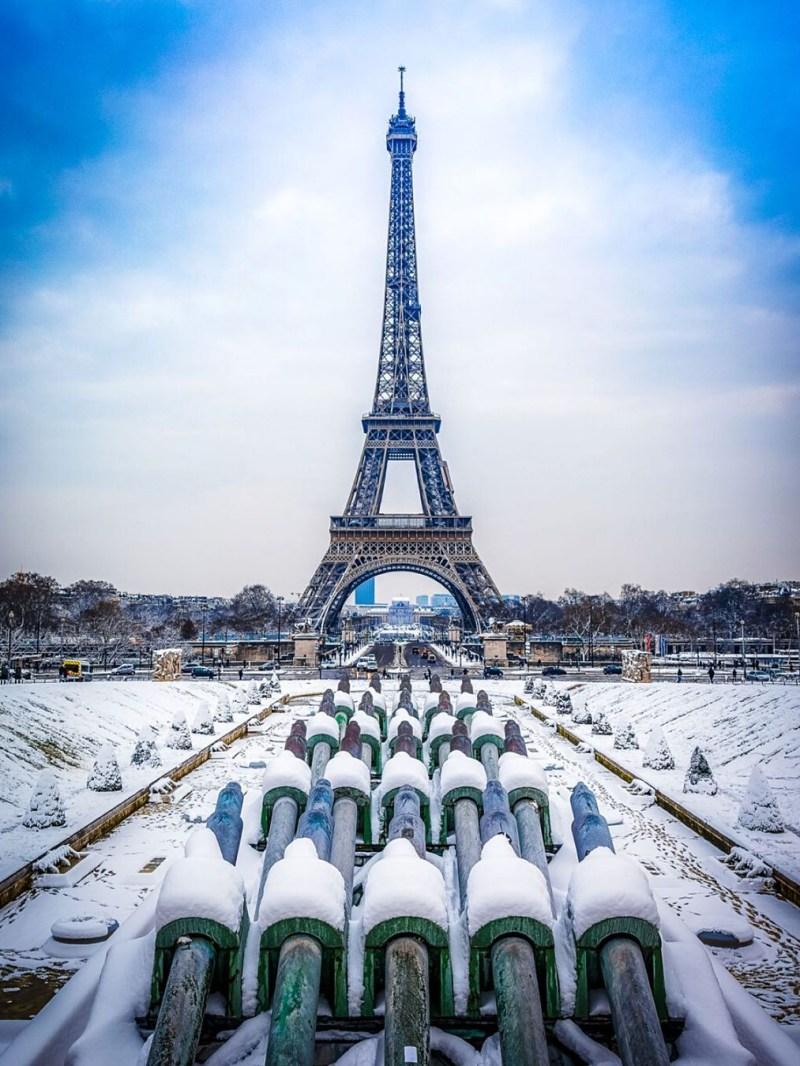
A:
(203, 610)
(797, 627)
(10, 620)
(279, 600)
(744, 655)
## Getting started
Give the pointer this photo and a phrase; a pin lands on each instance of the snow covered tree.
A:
(759, 809)
(563, 702)
(656, 752)
(582, 715)
(625, 738)
(203, 722)
(601, 726)
(45, 807)
(105, 775)
(699, 777)
(275, 684)
(253, 695)
(224, 712)
(179, 737)
(145, 753)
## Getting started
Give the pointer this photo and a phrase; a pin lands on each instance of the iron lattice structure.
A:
(401, 426)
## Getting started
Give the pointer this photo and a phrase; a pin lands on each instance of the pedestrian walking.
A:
(4, 674)
(735, 675)
(18, 674)
(711, 672)
(680, 675)
(241, 673)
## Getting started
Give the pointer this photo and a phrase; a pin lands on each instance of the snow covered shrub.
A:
(179, 736)
(105, 775)
(203, 722)
(601, 726)
(274, 682)
(45, 807)
(625, 738)
(528, 685)
(253, 695)
(538, 690)
(699, 777)
(224, 711)
(145, 752)
(550, 696)
(563, 702)
(759, 809)
(582, 716)
(656, 752)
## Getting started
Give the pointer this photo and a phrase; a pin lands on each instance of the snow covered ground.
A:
(737, 727)
(687, 875)
(64, 727)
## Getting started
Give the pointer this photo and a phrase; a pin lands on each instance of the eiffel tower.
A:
(400, 426)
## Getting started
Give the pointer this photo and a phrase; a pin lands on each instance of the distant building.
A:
(365, 593)
(400, 612)
(444, 600)
(423, 601)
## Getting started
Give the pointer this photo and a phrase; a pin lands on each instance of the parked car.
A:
(271, 665)
(188, 667)
(612, 668)
(758, 675)
(492, 671)
(367, 662)
(553, 671)
(124, 670)
(202, 671)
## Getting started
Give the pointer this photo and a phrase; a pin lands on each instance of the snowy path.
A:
(687, 872)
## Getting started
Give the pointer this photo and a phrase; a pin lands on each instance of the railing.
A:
(401, 521)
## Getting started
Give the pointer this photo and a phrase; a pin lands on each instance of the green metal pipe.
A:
(366, 755)
(468, 841)
(183, 1006)
(444, 751)
(322, 754)
(282, 826)
(640, 1041)
(293, 1023)
(407, 1023)
(343, 846)
(531, 842)
(523, 1041)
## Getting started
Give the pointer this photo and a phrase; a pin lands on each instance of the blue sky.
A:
(192, 215)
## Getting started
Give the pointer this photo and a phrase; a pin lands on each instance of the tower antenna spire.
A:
(402, 108)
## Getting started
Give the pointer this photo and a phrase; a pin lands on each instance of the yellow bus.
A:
(76, 670)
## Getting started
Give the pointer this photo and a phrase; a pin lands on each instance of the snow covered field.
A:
(64, 727)
(737, 727)
(686, 873)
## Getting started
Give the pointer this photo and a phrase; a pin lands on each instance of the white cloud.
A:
(185, 389)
